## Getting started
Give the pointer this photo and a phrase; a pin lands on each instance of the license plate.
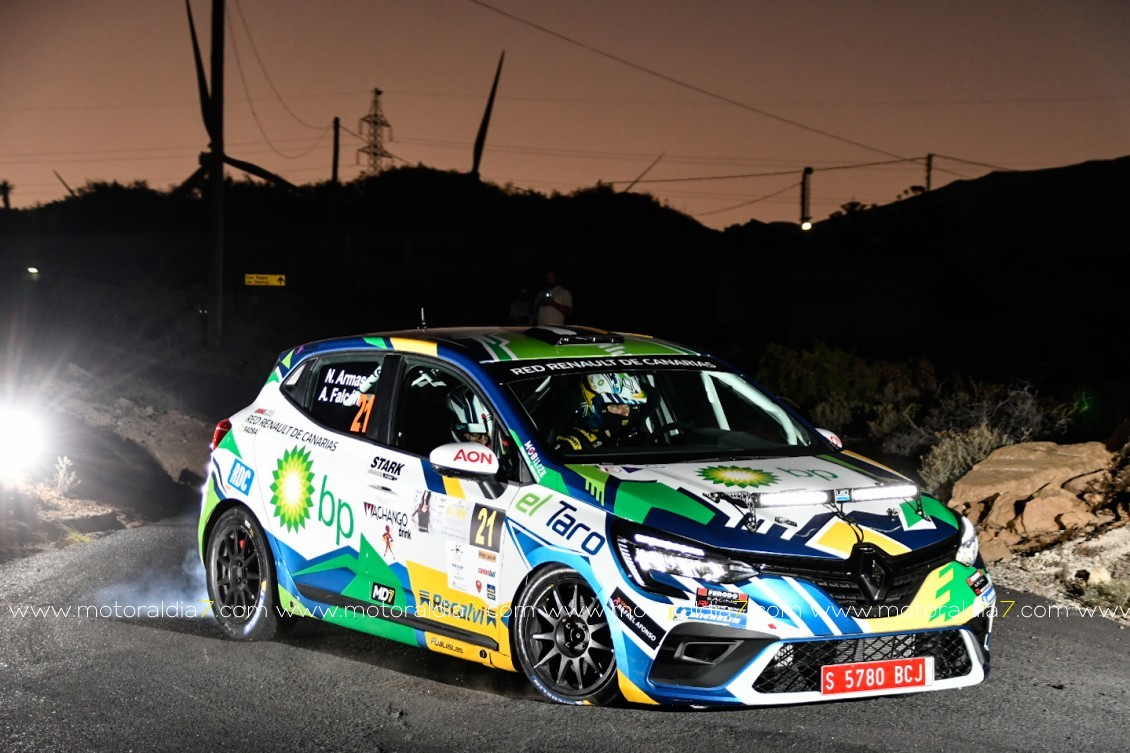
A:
(866, 676)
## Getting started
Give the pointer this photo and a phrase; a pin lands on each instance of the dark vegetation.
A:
(998, 302)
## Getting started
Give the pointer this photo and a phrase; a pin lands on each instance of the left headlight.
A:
(969, 549)
(646, 555)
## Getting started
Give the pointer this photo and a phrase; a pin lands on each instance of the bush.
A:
(907, 410)
(1114, 594)
(954, 453)
(1016, 412)
(63, 480)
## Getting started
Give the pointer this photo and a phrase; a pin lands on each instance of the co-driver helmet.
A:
(469, 415)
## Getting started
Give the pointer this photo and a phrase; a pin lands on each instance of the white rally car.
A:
(612, 515)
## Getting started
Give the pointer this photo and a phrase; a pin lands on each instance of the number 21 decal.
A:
(364, 410)
(486, 527)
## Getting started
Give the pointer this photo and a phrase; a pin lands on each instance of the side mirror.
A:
(831, 437)
(464, 460)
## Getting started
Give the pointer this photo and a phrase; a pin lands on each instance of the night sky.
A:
(105, 90)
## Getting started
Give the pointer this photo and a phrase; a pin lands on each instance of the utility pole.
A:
(929, 169)
(805, 217)
(337, 146)
(216, 180)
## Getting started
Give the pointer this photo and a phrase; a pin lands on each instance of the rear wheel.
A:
(240, 570)
(563, 641)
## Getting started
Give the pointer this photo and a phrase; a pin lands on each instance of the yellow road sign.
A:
(274, 280)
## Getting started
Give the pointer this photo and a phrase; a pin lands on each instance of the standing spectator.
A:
(555, 303)
(522, 309)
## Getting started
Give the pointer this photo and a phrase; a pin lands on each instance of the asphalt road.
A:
(124, 678)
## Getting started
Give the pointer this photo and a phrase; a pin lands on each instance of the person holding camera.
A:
(555, 303)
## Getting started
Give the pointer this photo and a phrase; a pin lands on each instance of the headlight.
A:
(645, 556)
(900, 491)
(787, 499)
(970, 548)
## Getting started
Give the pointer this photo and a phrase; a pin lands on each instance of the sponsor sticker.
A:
(240, 476)
(716, 616)
(978, 581)
(386, 468)
(713, 598)
(636, 619)
(383, 594)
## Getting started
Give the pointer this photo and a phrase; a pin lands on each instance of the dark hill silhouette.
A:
(1013, 274)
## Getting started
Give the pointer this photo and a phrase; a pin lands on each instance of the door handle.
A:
(385, 494)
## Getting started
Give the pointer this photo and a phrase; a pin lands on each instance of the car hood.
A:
(717, 504)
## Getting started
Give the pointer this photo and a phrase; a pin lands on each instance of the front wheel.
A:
(240, 571)
(563, 641)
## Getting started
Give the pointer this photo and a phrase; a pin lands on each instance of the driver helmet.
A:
(602, 391)
(469, 415)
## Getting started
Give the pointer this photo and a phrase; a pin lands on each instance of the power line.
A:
(251, 105)
(772, 174)
(748, 203)
(686, 85)
(970, 162)
(250, 102)
(262, 67)
(588, 100)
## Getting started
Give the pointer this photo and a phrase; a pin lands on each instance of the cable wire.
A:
(977, 164)
(251, 105)
(686, 85)
(747, 203)
(263, 68)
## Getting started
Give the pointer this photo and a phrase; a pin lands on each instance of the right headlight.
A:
(969, 549)
(648, 556)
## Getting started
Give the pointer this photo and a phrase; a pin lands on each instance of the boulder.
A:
(1021, 470)
(1028, 495)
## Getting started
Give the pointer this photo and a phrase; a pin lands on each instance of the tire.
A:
(563, 641)
(240, 570)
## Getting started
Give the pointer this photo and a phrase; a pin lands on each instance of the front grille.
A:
(869, 578)
(796, 666)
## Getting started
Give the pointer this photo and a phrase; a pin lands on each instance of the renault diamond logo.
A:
(874, 575)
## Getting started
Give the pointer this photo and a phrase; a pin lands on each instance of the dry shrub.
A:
(955, 453)
(1115, 594)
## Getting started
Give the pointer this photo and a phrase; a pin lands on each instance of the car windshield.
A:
(659, 415)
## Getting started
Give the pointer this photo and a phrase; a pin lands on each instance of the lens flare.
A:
(22, 438)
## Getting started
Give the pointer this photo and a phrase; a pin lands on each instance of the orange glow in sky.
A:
(685, 97)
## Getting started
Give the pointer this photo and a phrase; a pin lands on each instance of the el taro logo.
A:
(563, 523)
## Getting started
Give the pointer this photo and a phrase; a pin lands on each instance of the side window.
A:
(343, 393)
(422, 418)
(295, 384)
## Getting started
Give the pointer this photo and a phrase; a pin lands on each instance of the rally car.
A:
(613, 515)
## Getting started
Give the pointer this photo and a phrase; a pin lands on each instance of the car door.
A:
(320, 461)
(454, 557)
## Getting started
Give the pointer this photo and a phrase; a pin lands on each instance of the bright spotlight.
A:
(21, 441)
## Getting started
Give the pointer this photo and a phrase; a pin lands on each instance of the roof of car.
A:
(495, 344)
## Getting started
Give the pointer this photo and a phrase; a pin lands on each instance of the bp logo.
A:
(733, 475)
(292, 491)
